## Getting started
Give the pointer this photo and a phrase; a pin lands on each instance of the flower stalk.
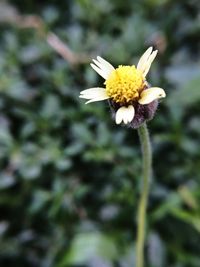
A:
(147, 171)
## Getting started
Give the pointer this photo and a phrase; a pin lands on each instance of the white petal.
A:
(146, 60)
(101, 72)
(104, 96)
(92, 92)
(144, 57)
(98, 63)
(125, 119)
(102, 67)
(151, 94)
(125, 114)
(105, 64)
(119, 115)
(97, 99)
(130, 113)
(149, 62)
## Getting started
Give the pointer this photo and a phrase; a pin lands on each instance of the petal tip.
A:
(151, 94)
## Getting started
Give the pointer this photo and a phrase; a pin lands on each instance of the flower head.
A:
(131, 99)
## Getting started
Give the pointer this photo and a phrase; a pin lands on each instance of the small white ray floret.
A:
(105, 64)
(99, 71)
(149, 62)
(130, 113)
(151, 94)
(125, 114)
(119, 115)
(102, 67)
(94, 94)
(146, 60)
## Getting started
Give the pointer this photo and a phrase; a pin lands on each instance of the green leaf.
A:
(87, 246)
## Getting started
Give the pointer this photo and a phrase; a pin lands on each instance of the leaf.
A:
(187, 217)
(87, 246)
(172, 202)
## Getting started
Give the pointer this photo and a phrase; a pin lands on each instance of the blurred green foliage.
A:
(70, 177)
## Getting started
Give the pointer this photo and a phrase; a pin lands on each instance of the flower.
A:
(131, 98)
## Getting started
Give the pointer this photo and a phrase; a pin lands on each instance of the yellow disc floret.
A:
(124, 84)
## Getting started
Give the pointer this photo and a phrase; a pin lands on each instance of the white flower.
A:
(125, 86)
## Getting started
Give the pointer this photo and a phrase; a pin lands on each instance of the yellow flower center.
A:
(125, 84)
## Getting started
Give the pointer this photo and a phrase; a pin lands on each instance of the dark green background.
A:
(70, 177)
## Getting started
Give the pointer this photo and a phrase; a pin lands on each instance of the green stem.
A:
(141, 223)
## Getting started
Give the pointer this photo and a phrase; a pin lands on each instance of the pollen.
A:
(125, 84)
